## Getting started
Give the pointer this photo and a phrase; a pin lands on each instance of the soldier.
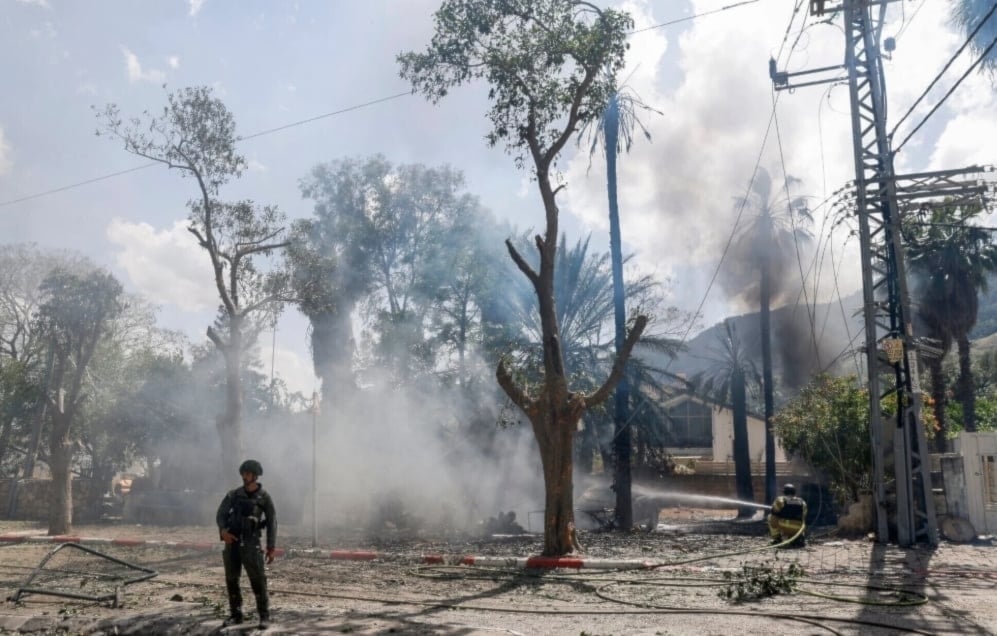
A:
(788, 517)
(241, 517)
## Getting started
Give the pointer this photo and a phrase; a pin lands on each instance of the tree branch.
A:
(242, 250)
(522, 264)
(600, 395)
(215, 338)
(518, 396)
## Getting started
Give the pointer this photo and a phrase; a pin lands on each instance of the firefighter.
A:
(788, 517)
(241, 517)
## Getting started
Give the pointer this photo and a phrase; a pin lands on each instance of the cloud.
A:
(173, 61)
(46, 30)
(5, 161)
(166, 266)
(38, 3)
(135, 72)
(195, 6)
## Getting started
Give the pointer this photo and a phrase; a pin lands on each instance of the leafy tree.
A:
(768, 244)
(120, 422)
(619, 121)
(727, 382)
(74, 318)
(195, 134)
(394, 241)
(551, 66)
(23, 351)
(827, 425)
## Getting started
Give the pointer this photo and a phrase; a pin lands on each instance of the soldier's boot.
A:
(235, 618)
(264, 619)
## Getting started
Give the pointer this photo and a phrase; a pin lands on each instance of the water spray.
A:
(705, 501)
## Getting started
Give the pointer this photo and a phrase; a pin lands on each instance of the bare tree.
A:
(195, 134)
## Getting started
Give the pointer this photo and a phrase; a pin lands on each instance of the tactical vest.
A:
(245, 516)
(792, 509)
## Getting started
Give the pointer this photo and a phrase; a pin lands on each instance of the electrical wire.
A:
(969, 70)
(906, 22)
(693, 17)
(261, 133)
(944, 68)
(789, 27)
(796, 243)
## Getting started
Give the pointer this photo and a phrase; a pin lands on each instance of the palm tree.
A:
(727, 382)
(616, 128)
(583, 288)
(954, 259)
(769, 241)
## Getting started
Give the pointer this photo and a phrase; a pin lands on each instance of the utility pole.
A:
(891, 352)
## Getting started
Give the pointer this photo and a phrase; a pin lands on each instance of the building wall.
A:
(723, 438)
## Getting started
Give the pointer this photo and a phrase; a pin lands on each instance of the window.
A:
(690, 425)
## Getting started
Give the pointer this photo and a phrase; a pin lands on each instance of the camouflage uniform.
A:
(245, 514)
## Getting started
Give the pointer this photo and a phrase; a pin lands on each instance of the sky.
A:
(278, 63)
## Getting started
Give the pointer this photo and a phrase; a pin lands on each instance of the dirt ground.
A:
(848, 586)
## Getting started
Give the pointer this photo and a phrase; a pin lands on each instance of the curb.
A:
(533, 562)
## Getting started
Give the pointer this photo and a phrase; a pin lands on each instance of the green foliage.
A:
(547, 62)
(827, 425)
(951, 260)
(195, 133)
(986, 415)
(755, 582)
(405, 244)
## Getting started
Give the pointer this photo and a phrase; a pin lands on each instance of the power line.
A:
(796, 243)
(959, 81)
(733, 231)
(325, 115)
(261, 133)
(945, 68)
(78, 184)
(693, 17)
(907, 22)
(789, 27)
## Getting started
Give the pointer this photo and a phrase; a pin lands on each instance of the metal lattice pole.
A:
(891, 378)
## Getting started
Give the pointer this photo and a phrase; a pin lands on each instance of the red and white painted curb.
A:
(532, 562)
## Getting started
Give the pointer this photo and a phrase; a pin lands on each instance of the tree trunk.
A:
(5, 434)
(622, 444)
(967, 387)
(554, 432)
(742, 455)
(332, 351)
(938, 395)
(229, 423)
(61, 496)
(765, 300)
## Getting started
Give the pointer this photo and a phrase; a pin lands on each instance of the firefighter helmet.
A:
(789, 489)
(251, 466)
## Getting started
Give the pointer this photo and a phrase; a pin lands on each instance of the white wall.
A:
(723, 438)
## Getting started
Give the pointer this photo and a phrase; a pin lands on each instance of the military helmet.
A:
(789, 489)
(251, 466)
